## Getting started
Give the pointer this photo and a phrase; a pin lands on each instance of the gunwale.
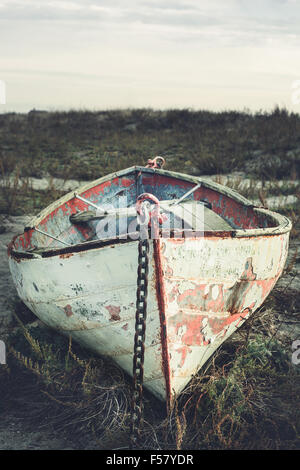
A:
(281, 223)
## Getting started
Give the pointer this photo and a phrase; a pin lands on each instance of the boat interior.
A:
(104, 211)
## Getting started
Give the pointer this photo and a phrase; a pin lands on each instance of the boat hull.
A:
(201, 289)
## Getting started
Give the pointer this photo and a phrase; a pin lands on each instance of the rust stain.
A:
(177, 241)
(68, 310)
(125, 327)
(66, 255)
(114, 312)
(160, 295)
(13, 245)
(239, 291)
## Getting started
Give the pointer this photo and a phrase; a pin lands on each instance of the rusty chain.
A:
(139, 342)
(140, 322)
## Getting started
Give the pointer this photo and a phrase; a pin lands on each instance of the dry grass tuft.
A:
(245, 398)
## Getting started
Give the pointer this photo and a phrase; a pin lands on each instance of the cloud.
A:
(196, 24)
(214, 22)
(185, 44)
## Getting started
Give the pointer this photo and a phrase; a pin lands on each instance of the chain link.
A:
(139, 342)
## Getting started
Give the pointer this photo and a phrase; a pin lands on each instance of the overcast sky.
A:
(103, 54)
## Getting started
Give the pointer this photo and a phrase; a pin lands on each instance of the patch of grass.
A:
(245, 398)
(86, 145)
(207, 142)
(64, 388)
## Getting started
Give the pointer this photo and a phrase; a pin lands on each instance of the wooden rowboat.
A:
(77, 269)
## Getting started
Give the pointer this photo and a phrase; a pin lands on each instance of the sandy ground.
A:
(9, 226)
(13, 436)
(16, 432)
